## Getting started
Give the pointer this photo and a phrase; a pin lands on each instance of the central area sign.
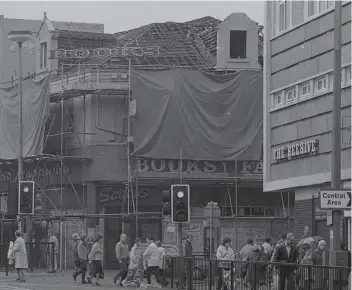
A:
(338, 199)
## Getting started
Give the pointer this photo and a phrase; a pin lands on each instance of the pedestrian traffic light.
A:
(180, 203)
(166, 202)
(26, 197)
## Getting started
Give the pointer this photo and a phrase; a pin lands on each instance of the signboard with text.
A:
(104, 52)
(254, 167)
(335, 199)
(296, 150)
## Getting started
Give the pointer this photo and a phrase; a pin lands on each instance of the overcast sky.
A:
(119, 16)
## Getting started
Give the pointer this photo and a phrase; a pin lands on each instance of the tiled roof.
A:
(189, 44)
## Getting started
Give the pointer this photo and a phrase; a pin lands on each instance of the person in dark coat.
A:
(188, 251)
(286, 253)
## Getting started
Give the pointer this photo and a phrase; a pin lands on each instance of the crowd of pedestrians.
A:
(282, 264)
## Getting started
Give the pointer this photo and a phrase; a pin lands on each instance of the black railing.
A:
(206, 274)
(39, 256)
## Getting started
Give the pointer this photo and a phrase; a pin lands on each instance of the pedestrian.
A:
(20, 255)
(135, 267)
(320, 258)
(122, 256)
(188, 250)
(95, 259)
(54, 252)
(76, 240)
(286, 252)
(162, 255)
(224, 253)
(267, 253)
(151, 257)
(82, 259)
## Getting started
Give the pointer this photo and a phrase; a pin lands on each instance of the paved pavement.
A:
(60, 281)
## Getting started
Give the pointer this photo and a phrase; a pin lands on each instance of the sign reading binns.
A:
(104, 52)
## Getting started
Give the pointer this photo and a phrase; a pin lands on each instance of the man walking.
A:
(122, 256)
(54, 251)
(286, 253)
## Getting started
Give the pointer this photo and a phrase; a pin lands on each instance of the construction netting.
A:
(35, 110)
(211, 117)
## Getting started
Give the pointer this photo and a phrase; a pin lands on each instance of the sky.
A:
(124, 15)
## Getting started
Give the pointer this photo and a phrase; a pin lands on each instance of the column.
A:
(92, 207)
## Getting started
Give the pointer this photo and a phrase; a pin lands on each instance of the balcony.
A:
(88, 81)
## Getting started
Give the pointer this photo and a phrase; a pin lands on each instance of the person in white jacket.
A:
(152, 258)
(224, 253)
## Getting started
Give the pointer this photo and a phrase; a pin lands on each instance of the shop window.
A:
(291, 95)
(238, 44)
(321, 84)
(306, 90)
(43, 55)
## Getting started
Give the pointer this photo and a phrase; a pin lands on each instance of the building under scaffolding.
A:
(88, 181)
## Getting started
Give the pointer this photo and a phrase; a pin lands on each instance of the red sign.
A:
(105, 52)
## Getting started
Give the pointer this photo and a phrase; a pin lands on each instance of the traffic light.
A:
(180, 203)
(26, 197)
(166, 202)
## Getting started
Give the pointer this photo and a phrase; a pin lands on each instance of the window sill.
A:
(238, 60)
(314, 17)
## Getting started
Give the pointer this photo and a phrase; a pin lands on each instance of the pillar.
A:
(92, 207)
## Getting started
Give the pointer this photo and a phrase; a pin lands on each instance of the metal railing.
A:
(208, 274)
(39, 256)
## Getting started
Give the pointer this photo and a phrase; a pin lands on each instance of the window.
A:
(291, 95)
(43, 55)
(321, 84)
(277, 100)
(348, 74)
(282, 16)
(312, 7)
(70, 123)
(323, 5)
(238, 44)
(306, 89)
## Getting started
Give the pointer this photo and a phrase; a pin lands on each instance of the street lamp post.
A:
(20, 37)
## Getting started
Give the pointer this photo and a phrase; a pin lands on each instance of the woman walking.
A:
(82, 262)
(20, 254)
(95, 259)
(76, 240)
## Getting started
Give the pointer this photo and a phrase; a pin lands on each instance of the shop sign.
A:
(110, 193)
(187, 166)
(331, 199)
(104, 52)
(296, 150)
(251, 167)
(35, 173)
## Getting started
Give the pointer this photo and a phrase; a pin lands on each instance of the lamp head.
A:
(20, 36)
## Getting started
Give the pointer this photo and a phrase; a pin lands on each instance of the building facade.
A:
(298, 84)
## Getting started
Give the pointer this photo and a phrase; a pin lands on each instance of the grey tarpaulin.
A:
(35, 109)
(213, 117)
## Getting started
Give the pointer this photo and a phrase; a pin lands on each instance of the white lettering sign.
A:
(297, 150)
(160, 165)
(335, 199)
(109, 193)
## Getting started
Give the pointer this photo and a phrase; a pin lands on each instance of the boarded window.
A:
(238, 44)
(43, 55)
